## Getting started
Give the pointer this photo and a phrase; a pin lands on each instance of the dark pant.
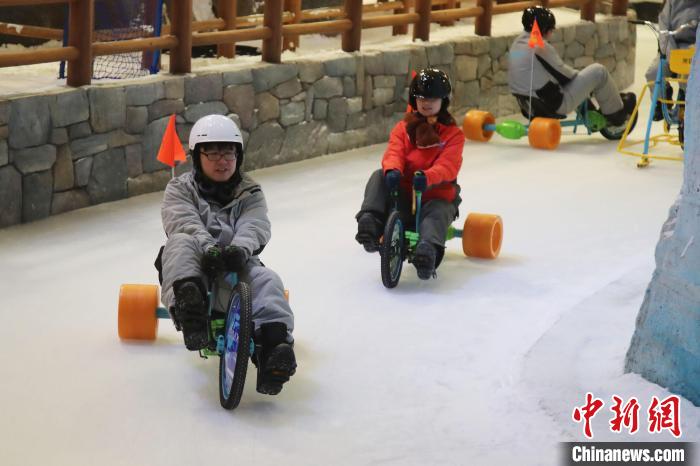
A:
(436, 214)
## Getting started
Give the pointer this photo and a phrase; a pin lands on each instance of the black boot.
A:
(369, 230)
(658, 112)
(274, 358)
(619, 118)
(190, 312)
(424, 260)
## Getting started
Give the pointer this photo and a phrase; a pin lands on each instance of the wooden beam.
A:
(482, 25)
(181, 27)
(421, 29)
(237, 35)
(619, 7)
(352, 38)
(35, 32)
(390, 20)
(319, 27)
(588, 10)
(455, 14)
(38, 56)
(81, 24)
(227, 11)
(272, 46)
(134, 45)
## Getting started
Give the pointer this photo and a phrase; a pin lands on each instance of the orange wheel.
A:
(482, 235)
(473, 125)
(137, 312)
(544, 133)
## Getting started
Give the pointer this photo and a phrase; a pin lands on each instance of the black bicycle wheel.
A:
(233, 363)
(392, 250)
(615, 133)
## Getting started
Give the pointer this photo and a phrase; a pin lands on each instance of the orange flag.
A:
(171, 147)
(535, 37)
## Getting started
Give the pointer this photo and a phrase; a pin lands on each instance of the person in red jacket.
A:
(425, 154)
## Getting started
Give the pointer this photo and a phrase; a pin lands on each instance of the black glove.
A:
(235, 258)
(392, 178)
(420, 182)
(213, 261)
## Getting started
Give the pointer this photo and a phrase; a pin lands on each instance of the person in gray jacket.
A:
(215, 218)
(557, 88)
(673, 15)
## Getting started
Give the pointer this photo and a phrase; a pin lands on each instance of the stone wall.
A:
(665, 348)
(95, 144)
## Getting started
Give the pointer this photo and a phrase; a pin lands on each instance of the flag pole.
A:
(532, 73)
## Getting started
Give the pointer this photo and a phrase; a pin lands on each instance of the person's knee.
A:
(598, 71)
(263, 277)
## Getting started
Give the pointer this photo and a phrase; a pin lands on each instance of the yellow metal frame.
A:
(679, 63)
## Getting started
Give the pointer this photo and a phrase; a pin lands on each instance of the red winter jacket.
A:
(440, 164)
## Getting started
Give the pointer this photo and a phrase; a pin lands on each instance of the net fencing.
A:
(121, 20)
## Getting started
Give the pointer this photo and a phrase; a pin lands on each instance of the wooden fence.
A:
(279, 27)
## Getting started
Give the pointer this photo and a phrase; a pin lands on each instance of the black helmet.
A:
(544, 16)
(430, 83)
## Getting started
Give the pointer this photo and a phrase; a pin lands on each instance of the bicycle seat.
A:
(679, 60)
(539, 109)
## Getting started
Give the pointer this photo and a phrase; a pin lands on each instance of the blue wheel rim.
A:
(231, 341)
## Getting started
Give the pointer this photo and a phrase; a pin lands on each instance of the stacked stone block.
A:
(86, 146)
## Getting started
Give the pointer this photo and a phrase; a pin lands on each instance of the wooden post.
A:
(403, 28)
(482, 24)
(588, 11)
(81, 24)
(421, 30)
(619, 7)
(227, 12)
(272, 47)
(351, 38)
(181, 27)
(291, 42)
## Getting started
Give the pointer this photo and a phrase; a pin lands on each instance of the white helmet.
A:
(215, 128)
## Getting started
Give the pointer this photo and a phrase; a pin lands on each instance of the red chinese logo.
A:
(627, 416)
(665, 414)
(586, 413)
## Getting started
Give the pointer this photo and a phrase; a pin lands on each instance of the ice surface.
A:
(482, 366)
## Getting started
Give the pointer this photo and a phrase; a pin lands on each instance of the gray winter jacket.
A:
(242, 222)
(675, 13)
(549, 72)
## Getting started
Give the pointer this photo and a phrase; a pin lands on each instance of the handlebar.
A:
(690, 24)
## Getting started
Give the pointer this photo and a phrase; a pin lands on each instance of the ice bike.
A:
(481, 237)
(673, 111)
(230, 332)
(542, 132)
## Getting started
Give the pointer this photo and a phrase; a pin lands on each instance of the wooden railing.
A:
(276, 28)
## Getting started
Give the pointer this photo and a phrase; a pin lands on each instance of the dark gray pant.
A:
(436, 215)
(593, 79)
(182, 257)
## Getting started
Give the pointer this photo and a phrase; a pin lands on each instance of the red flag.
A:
(171, 147)
(535, 37)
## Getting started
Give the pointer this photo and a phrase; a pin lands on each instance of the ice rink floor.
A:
(482, 366)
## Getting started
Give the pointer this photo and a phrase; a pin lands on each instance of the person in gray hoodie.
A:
(215, 218)
(557, 88)
(673, 15)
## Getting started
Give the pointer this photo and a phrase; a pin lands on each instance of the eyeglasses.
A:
(216, 155)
